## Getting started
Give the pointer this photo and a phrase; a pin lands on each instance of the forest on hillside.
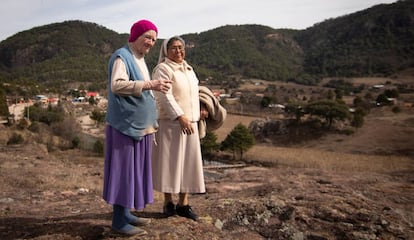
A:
(378, 41)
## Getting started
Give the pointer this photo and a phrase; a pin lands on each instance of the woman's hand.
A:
(158, 85)
(186, 125)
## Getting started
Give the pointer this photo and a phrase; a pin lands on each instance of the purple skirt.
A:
(127, 171)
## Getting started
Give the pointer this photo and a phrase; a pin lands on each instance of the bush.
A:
(358, 120)
(15, 139)
(209, 144)
(98, 147)
(34, 127)
(50, 145)
(396, 109)
(98, 116)
(22, 124)
(75, 142)
(68, 129)
(47, 115)
(348, 131)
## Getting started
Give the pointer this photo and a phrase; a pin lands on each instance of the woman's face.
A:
(176, 51)
(145, 42)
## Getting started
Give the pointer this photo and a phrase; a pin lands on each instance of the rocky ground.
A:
(58, 196)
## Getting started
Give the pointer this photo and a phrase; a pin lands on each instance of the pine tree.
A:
(209, 144)
(4, 110)
(239, 141)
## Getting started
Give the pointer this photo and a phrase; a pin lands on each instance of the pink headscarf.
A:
(139, 28)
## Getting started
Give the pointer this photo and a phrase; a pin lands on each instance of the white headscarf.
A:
(163, 50)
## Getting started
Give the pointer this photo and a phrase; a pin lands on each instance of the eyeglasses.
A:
(177, 48)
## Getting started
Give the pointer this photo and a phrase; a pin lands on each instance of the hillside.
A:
(71, 51)
(374, 42)
(253, 51)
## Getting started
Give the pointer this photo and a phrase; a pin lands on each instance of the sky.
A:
(175, 17)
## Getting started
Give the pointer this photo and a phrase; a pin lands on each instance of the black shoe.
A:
(169, 209)
(186, 211)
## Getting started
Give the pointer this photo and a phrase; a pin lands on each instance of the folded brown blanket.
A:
(216, 113)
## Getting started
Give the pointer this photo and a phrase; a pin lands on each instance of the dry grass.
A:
(318, 157)
(312, 158)
(230, 123)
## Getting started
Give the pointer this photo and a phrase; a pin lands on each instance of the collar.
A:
(178, 66)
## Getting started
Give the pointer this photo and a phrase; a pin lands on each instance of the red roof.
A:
(92, 94)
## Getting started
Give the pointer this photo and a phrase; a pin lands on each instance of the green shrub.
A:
(75, 142)
(239, 140)
(396, 109)
(34, 127)
(98, 147)
(15, 139)
(348, 131)
(22, 124)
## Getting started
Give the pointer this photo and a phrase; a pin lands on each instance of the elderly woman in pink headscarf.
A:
(131, 121)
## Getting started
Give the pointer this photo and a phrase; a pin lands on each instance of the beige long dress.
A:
(177, 162)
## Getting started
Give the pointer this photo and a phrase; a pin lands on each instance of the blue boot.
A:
(134, 220)
(120, 222)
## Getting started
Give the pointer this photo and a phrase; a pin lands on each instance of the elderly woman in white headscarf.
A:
(177, 163)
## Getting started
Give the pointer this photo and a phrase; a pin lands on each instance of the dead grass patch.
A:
(312, 158)
(377, 133)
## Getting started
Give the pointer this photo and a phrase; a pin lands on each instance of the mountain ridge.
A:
(77, 51)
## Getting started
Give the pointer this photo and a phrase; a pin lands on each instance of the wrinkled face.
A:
(145, 42)
(176, 51)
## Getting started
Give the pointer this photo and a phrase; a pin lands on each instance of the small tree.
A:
(358, 118)
(15, 139)
(392, 93)
(76, 142)
(239, 141)
(98, 116)
(264, 103)
(329, 110)
(98, 147)
(295, 109)
(49, 115)
(92, 101)
(382, 99)
(4, 110)
(23, 124)
(209, 144)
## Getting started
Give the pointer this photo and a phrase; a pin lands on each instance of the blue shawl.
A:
(130, 115)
